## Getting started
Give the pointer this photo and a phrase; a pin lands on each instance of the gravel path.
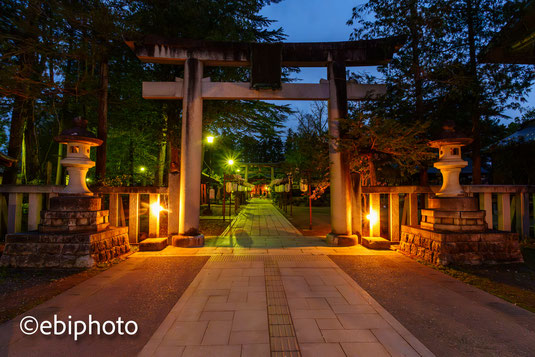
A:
(450, 317)
(140, 289)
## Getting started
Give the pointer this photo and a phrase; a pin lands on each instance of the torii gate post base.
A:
(339, 240)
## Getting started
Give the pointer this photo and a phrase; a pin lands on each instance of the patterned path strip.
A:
(283, 341)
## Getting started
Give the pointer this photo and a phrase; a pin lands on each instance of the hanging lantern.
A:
(229, 187)
(287, 187)
(303, 185)
(234, 186)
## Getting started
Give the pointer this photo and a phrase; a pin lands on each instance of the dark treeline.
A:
(63, 58)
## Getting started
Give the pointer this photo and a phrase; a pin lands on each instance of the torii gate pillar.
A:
(190, 157)
(338, 168)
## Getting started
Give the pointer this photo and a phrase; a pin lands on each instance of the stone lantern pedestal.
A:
(453, 228)
(74, 231)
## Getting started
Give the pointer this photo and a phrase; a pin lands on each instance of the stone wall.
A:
(443, 248)
(77, 250)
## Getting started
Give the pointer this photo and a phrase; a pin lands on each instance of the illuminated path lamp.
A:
(375, 241)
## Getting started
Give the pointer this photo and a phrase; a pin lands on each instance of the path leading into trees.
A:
(274, 292)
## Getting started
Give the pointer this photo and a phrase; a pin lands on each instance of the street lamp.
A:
(230, 162)
(210, 140)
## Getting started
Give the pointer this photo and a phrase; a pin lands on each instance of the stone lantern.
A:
(453, 229)
(75, 231)
(450, 162)
(79, 142)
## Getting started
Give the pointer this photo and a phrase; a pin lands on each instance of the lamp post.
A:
(210, 141)
(230, 163)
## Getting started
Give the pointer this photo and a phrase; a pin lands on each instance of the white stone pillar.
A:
(191, 149)
(339, 185)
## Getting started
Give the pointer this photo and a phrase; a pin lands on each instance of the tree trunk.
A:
(474, 90)
(33, 166)
(373, 173)
(102, 120)
(16, 132)
(131, 152)
(414, 29)
(161, 161)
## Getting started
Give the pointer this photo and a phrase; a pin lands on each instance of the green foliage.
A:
(383, 149)
(51, 51)
(437, 75)
(306, 150)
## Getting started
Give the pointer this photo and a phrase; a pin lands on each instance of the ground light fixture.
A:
(155, 209)
(372, 217)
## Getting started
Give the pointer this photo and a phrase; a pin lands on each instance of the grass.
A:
(321, 220)
(512, 282)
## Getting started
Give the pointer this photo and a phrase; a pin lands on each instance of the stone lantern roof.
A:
(450, 136)
(78, 133)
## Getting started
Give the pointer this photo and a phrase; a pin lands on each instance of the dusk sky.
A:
(320, 21)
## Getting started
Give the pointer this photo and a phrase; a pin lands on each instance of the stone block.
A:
(75, 203)
(84, 262)
(473, 214)
(52, 261)
(456, 204)
(68, 261)
(188, 241)
(153, 244)
(375, 243)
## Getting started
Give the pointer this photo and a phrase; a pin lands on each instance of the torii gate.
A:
(265, 60)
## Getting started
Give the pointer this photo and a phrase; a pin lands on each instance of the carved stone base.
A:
(76, 250)
(443, 248)
(187, 241)
(337, 240)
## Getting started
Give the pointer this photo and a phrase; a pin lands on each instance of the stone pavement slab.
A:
(287, 311)
(267, 291)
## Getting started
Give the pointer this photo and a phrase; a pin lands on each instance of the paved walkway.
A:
(268, 290)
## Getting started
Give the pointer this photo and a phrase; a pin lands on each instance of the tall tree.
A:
(444, 38)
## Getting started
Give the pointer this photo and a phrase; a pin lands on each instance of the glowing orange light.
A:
(372, 217)
(155, 209)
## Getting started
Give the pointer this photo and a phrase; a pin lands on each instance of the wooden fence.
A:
(508, 207)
